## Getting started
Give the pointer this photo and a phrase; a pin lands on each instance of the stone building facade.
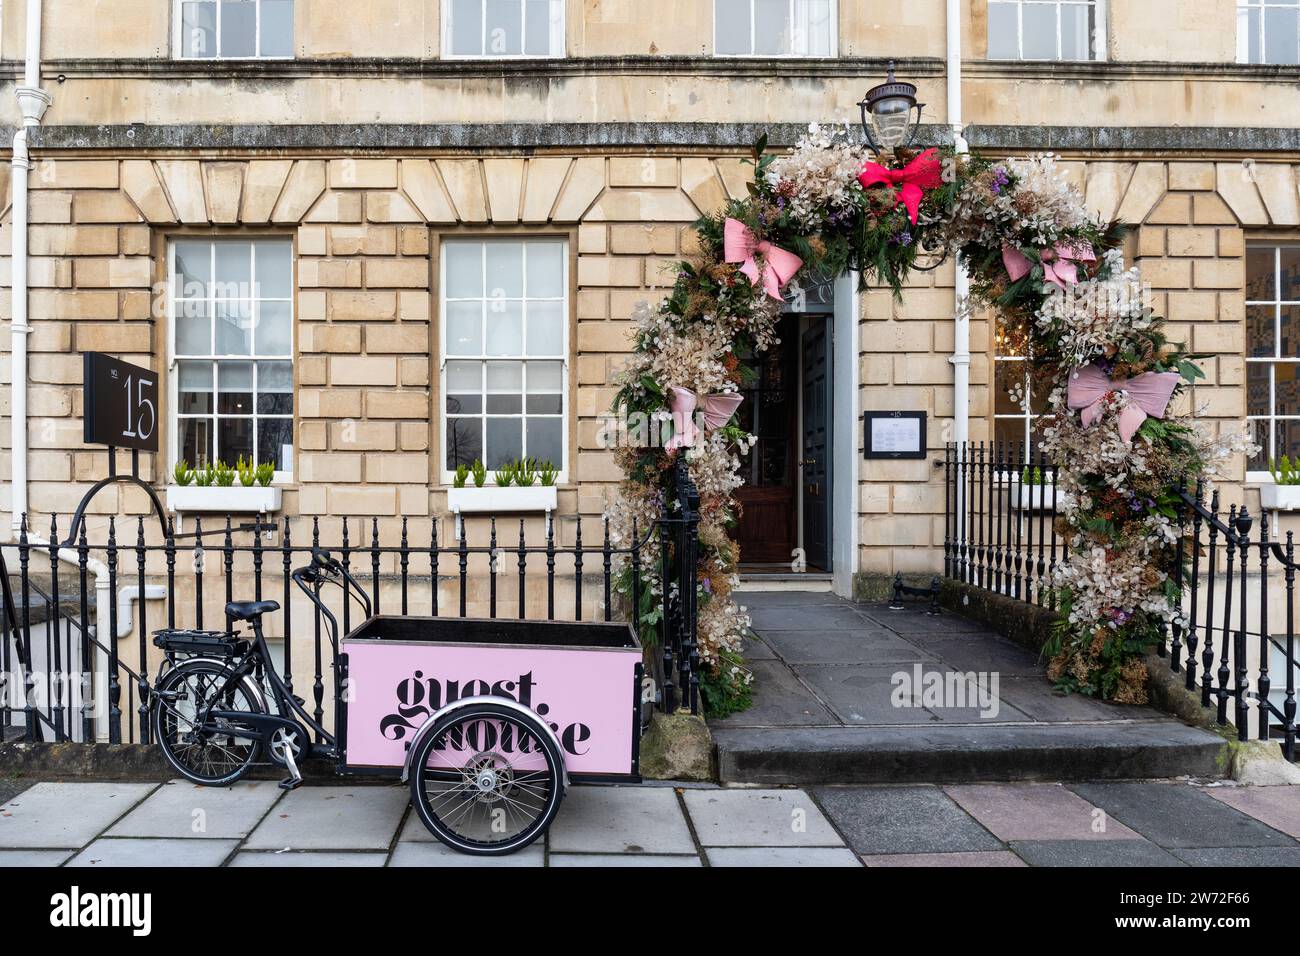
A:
(373, 151)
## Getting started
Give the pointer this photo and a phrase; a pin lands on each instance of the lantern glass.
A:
(891, 118)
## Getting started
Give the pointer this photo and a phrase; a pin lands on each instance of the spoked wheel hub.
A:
(492, 777)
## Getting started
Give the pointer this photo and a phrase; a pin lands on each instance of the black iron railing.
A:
(70, 675)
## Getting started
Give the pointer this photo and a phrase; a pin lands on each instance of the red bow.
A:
(923, 173)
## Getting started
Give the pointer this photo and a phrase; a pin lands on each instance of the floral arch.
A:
(1056, 280)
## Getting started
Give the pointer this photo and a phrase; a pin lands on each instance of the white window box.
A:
(1274, 497)
(1039, 498)
(232, 499)
(471, 500)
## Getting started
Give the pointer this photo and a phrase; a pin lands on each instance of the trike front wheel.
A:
(487, 779)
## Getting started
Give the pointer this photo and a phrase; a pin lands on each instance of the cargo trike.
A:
(487, 720)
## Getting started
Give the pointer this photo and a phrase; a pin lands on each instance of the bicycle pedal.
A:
(290, 783)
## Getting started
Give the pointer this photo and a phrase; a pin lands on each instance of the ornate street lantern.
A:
(887, 109)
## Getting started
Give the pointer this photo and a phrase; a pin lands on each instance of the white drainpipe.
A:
(32, 101)
(960, 358)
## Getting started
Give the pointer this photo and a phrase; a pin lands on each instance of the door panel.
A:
(815, 464)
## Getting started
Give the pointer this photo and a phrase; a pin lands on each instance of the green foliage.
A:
(505, 475)
(205, 476)
(264, 474)
(225, 475)
(1285, 472)
(548, 473)
(183, 473)
(525, 472)
(246, 472)
(1032, 476)
(462, 474)
(479, 473)
(728, 689)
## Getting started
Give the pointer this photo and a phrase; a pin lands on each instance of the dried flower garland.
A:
(1055, 278)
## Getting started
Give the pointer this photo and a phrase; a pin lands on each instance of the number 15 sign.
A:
(120, 402)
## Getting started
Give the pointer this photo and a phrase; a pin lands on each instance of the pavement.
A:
(858, 693)
(1147, 823)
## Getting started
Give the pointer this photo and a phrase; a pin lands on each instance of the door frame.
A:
(846, 436)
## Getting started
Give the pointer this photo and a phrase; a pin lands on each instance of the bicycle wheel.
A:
(487, 779)
(211, 758)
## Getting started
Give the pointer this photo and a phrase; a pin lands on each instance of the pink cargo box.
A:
(582, 679)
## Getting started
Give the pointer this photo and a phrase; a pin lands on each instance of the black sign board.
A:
(894, 435)
(120, 403)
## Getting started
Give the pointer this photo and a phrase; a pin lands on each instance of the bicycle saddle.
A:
(247, 610)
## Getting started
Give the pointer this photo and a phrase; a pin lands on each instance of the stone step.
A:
(953, 753)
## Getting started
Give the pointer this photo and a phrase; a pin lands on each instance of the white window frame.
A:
(834, 40)
(178, 40)
(1277, 302)
(1026, 416)
(1243, 29)
(173, 372)
(446, 473)
(1101, 38)
(447, 54)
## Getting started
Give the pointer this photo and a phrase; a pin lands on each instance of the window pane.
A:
(234, 327)
(545, 376)
(1261, 433)
(234, 439)
(1002, 32)
(193, 328)
(1261, 323)
(274, 329)
(195, 439)
(772, 26)
(1254, 21)
(1286, 389)
(1261, 266)
(1257, 388)
(194, 388)
(505, 328)
(234, 279)
(277, 28)
(537, 27)
(505, 269)
(238, 27)
(235, 388)
(464, 441)
(812, 28)
(505, 377)
(545, 269)
(193, 269)
(504, 22)
(198, 29)
(1290, 291)
(504, 441)
(1288, 439)
(464, 328)
(275, 442)
(274, 388)
(1288, 344)
(1281, 35)
(274, 270)
(731, 27)
(545, 439)
(1039, 22)
(545, 328)
(1076, 31)
(1011, 393)
(464, 276)
(467, 27)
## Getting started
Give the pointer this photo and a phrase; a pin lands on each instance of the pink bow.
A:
(1058, 262)
(922, 173)
(740, 244)
(1148, 394)
(715, 409)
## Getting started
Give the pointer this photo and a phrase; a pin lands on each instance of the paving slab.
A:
(32, 858)
(1036, 811)
(436, 854)
(182, 809)
(1178, 815)
(864, 694)
(10, 787)
(754, 648)
(768, 818)
(988, 858)
(805, 617)
(1241, 856)
(914, 620)
(107, 853)
(983, 653)
(903, 820)
(333, 818)
(782, 856)
(781, 701)
(850, 646)
(268, 858)
(571, 860)
(1278, 807)
(620, 820)
(1093, 853)
(1038, 699)
(66, 814)
(762, 599)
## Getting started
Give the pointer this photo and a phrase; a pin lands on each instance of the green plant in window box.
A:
(205, 476)
(246, 472)
(1032, 476)
(525, 472)
(548, 474)
(183, 473)
(225, 475)
(264, 474)
(479, 471)
(505, 475)
(462, 474)
(1286, 471)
